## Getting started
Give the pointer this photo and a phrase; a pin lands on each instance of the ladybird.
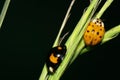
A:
(94, 32)
(55, 57)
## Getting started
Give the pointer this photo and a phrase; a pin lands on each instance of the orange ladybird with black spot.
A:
(94, 32)
(55, 57)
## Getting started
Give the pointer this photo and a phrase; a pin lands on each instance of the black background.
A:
(29, 30)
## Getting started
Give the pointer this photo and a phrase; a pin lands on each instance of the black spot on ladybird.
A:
(97, 33)
(100, 29)
(88, 31)
(93, 30)
(89, 36)
(100, 25)
(100, 36)
(92, 25)
(95, 39)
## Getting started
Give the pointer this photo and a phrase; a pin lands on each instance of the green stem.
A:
(102, 10)
(112, 33)
(44, 73)
(4, 10)
(71, 44)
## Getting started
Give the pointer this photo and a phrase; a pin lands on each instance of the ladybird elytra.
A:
(94, 32)
(53, 59)
(56, 55)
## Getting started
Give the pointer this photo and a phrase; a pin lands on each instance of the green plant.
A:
(3, 12)
(75, 44)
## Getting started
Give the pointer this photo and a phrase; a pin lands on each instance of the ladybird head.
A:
(98, 22)
(61, 49)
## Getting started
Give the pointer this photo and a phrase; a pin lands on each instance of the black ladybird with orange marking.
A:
(55, 57)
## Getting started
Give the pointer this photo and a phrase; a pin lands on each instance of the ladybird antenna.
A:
(61, 39)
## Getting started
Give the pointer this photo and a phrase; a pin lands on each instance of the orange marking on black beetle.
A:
(59, 48)
(53, 59)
